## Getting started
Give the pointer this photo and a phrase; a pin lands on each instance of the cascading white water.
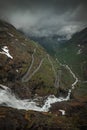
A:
(9, 99)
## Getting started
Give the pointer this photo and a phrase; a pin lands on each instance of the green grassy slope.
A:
(73, 53)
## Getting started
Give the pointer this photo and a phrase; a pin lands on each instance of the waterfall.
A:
(7, 98)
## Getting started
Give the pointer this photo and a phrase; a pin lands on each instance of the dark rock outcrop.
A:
(12, 119)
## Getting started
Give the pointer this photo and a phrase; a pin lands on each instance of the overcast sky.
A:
(45, 17)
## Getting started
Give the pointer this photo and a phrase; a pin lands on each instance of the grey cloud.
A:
(48, 17)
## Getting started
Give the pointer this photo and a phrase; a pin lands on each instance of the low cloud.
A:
(43, 18)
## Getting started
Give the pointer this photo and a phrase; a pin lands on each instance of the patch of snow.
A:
(17, 71)
(6, 52)
(26, 39)
(62, 111)
(78, 45)
(79, 52)
(23, 44)
(11, 34)
(16, 39)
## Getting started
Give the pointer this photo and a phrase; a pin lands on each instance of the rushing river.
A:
(9, 99)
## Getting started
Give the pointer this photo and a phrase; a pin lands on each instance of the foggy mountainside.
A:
(43, 65)
(72, 51)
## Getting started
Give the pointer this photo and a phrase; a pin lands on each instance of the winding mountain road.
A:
(25, 77)
(28, 76)
(35, 71)
(56, 83)
(52, 65)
